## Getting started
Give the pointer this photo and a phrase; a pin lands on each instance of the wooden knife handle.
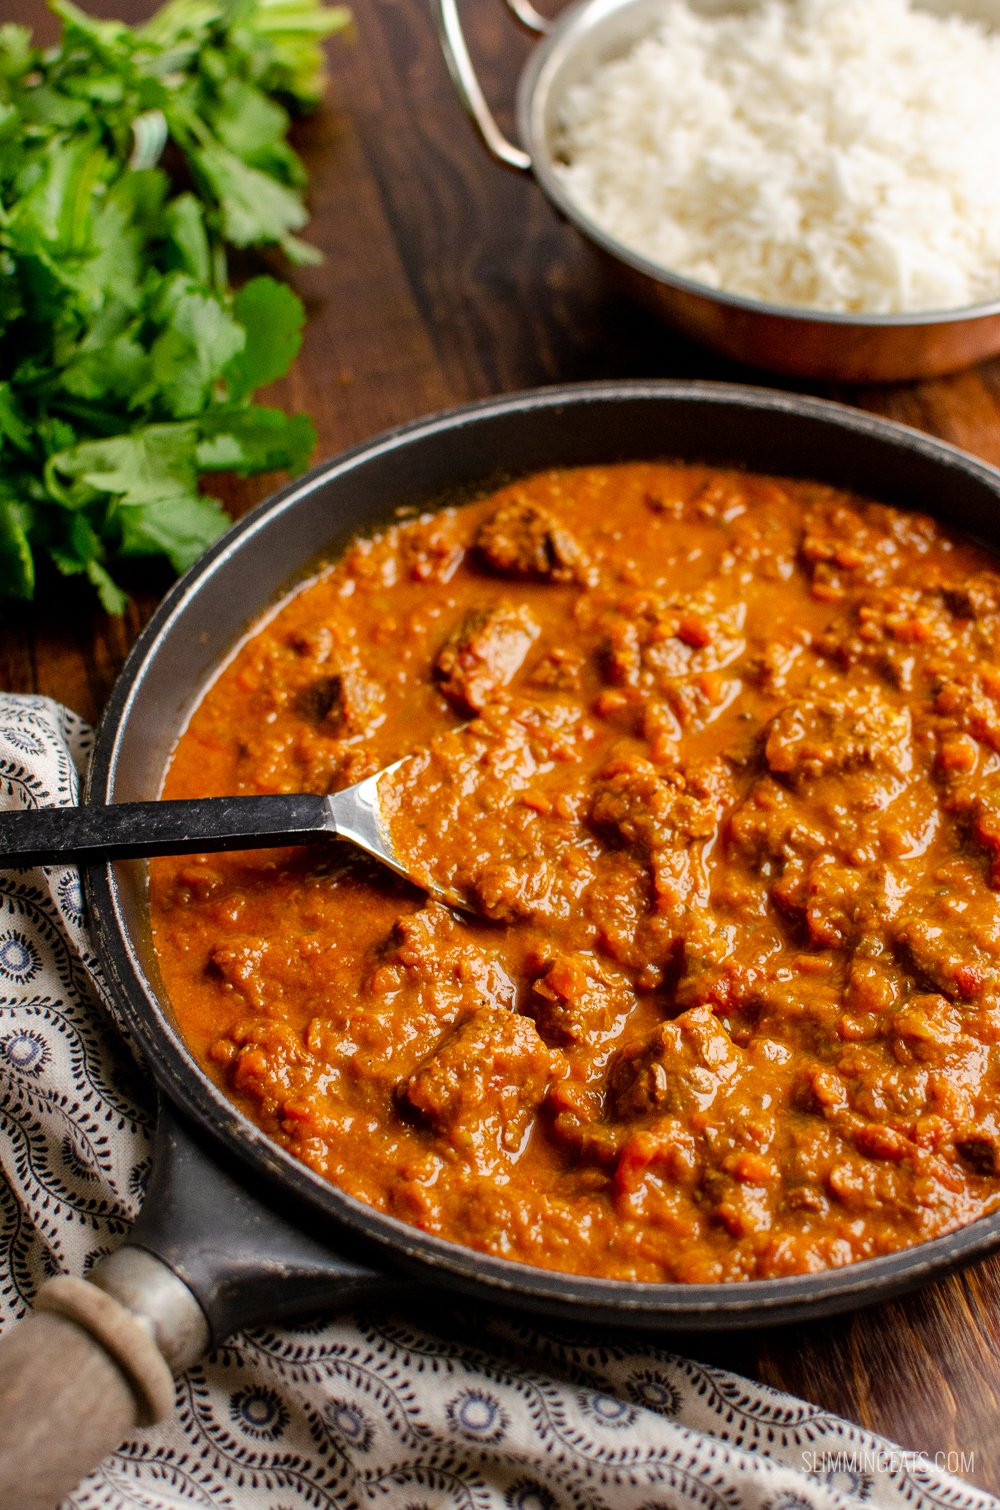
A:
(75, 1377)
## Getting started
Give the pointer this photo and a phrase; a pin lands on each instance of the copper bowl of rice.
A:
(808, 186)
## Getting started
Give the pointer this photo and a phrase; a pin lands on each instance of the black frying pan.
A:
(233, 1229)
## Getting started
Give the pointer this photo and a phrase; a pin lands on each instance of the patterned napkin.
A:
(360, 1411)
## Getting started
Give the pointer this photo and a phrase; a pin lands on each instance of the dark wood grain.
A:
(447, 278)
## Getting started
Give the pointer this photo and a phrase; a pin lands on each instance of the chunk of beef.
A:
(560, 670)
(859, 730)
(431, 550)
(927, 1027)
(838, 903)
(891, 630)
(654, 641)
(256, 968)
(772, 825)
(937, 956)
(949, 937)
(520, 539)
(906, 615)
(424, 939)
(667, 819)
(502, 791)
(483, 654)
(976, 597)
(267, 1061)
(971, 796)
(771, 668)
(339, 702)
(444, 964)
(985, 829)
(480, 1088)
(678, 1070)
(616, 908)
(588, 1141)
(647, 808)
(722, 965)
(842, 544)
(968, 698)
(576, 999)
(978, 1146)
(325, 683)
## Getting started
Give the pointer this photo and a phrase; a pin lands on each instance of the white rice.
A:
(833, 154)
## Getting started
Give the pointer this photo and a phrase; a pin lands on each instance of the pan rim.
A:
(190, 1091)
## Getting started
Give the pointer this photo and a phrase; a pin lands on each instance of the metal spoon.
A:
(138, 830)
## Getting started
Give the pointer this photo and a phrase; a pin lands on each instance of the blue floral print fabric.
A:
(362, 1410)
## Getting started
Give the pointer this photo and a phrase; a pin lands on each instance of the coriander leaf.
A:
(78, 545)
(79, 553)
(301, 253)
(46, 293)
(150, 464)
(108, 40)
(55, 194)
(131, 160)
(246, 121)
(192, 352)
(255, 209)
(14, 428)
(187, 239)
(294, 29)
(55, 434)
(179, 528)
(109, 594)
(272, 317)
(255, 440)
(123, 222)
(119, 369)
(16, 52)
(17, 566)
(45, 107)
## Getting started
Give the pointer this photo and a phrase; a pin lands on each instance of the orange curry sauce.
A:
(728, 799)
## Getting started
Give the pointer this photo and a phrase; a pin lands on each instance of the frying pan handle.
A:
(246, 1254)
(466, 81)
(97, 1358)
(75, 1378)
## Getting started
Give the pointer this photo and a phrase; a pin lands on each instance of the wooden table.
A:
(446, 279)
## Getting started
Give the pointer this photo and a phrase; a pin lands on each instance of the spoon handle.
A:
(132, 830)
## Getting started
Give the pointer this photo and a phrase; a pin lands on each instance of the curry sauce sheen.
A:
(716, 759)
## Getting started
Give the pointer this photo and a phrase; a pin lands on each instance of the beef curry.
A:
(715, 760)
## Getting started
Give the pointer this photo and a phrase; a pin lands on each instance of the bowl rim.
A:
(534, 85)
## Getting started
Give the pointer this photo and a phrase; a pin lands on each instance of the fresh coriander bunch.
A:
(130, 159)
